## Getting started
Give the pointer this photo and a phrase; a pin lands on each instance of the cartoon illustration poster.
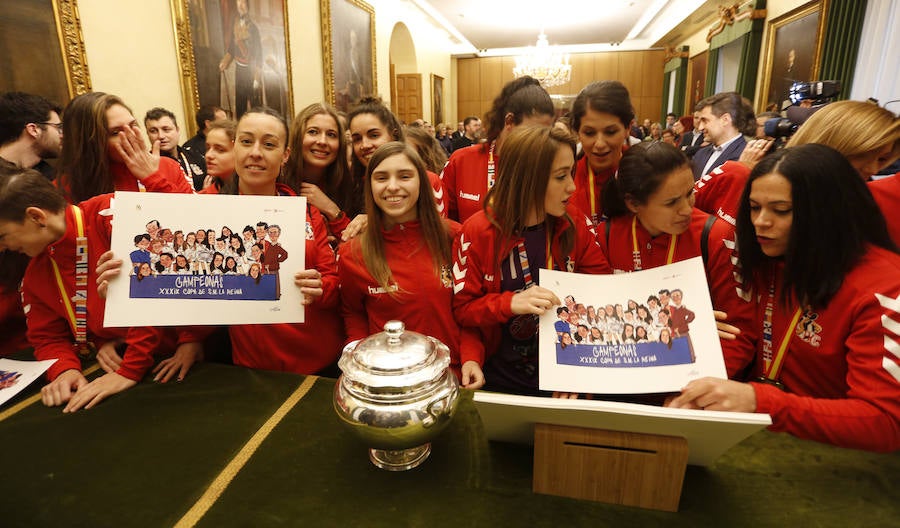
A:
(207, 259)
(16, 375)
(642, 332)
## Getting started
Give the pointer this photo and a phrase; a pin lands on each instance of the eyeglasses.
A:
(59, 126)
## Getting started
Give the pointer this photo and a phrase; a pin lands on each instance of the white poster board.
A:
(165, 293)
(16, 375)
(611, 354)
(511, 418)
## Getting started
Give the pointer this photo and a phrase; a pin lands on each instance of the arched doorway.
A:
(406, 82)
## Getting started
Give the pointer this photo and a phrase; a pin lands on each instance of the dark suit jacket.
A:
(460, 142)
(733, 152)
(686, 143)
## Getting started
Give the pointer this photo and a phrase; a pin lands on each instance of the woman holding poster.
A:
(382, 273)
(652, 222)
(527, 223)
(827, 287)
(260, 152)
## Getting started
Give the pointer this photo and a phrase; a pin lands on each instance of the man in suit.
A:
(472, 126)
(692, 140)
(460, 130)
(722, 119)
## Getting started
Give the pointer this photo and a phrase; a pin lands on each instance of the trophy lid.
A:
(395, 357)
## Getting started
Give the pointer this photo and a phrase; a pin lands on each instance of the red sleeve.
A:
(869, 417)
(168, 179)
(473, 305)
(727, 294)
(49, 334)
(12, 322)
(719, 192)
(192, 334)
(448, 180)
(353, 277)
(471, 346)
(440, 197)
(337, 226)
(320, 256)
(591, 258)
(141, 343)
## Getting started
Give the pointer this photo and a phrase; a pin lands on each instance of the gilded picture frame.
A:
(437, 99)
(348, 51)
(233, 54)
(793, 51)
(45, 32)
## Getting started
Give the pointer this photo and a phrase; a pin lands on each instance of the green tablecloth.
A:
(144, 458)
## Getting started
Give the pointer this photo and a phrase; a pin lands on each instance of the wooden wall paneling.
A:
(491, 77)
(479, 80)
(653, 74)
(582, 72)
(506, 70)
(606, 66)
(468, 82)
(631, 67)
(639, 110)
(466, 109)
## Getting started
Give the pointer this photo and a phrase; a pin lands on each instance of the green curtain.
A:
(843, 31)
(680, 87)
(677, 67)
(750, 32)
(712, 66)
(665, 95)
(750, 49)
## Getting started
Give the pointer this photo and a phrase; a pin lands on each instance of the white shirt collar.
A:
(725, 145)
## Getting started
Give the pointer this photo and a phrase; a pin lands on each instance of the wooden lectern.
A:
(634, 469)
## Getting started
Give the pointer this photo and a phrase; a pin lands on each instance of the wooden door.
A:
(409, 97)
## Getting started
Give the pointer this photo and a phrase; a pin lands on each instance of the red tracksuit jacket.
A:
(423, 301)
(842, 366)
(478, 304)
(49, 329)
(721, 273)
(12, 322)
(169, 178)
(465, 181)
(304, 348)
(719, 192)
(584, 199)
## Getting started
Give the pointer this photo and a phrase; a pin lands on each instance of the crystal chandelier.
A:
(540, 62)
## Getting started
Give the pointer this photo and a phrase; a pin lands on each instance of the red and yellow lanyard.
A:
(76, 306)
(636, 251)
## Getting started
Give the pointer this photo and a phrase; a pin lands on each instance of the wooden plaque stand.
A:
(634, 469)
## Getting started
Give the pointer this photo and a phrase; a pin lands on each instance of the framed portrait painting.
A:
(233, 54)
(793, 51)
(437, 99)
(348, 51)
(45, 33)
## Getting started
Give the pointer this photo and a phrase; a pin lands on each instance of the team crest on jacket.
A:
(446, 279)
(309, 232)
(808, 329)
